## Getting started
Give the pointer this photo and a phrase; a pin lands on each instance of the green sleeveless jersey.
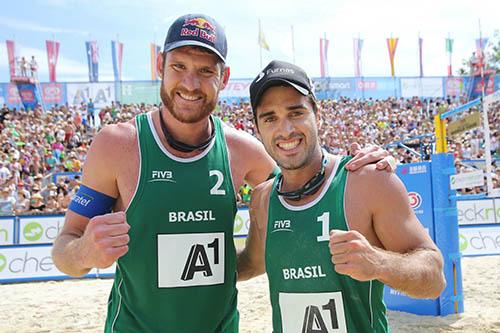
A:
(179, 274)
(307, 295)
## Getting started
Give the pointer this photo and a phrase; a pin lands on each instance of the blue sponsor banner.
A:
(417, 180)
(334, 87)
(28, 94)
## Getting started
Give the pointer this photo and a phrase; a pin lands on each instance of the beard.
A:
(187, 116)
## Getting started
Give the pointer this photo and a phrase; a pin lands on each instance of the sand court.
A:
(80, 305)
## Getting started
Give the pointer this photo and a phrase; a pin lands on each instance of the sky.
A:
(138, 23)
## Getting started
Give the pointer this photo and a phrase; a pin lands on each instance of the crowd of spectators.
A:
(41, 154)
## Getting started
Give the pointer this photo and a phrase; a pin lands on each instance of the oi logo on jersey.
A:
(415, 199)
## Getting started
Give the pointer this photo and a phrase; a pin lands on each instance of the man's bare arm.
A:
(251, 260)
(85, 243)
(406, 258)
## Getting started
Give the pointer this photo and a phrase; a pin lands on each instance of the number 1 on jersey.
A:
(325, 232)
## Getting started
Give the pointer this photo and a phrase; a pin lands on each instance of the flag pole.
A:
(486, 125)
(293, 45)
(450, 73)
(260, 46)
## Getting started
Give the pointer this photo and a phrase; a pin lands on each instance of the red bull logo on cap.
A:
(202, 28)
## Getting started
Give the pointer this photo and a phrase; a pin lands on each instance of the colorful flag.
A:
(392, 43)
(420, 43)
(93, 60)
(12, 57)
(117, 55)
(262, 39)
(358, 46)
(52, 55)
(323, 56)
(155, 50)
(449, 50)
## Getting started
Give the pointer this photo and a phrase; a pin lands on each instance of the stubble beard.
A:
(296, 163)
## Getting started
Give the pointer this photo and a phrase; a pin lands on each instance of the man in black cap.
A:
(329, 239)
(169, 177)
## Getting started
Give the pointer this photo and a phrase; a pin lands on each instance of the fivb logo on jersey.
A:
(161, 176)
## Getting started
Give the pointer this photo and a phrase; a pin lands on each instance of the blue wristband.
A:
(90, 203)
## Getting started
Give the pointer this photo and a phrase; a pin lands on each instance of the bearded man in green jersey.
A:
(170, 178)
(328, 238)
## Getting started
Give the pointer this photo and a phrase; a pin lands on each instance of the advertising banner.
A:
(334, 87)
(241, 222)
(29, 263)
(102, 94)
(39, 229)
(465, 123)
(423, 87)
(28, 95)
(140, 92)
(485, 211)
(236, 89)
(7, 231)
(12, 96)
(477, 241)
(467, 179)
(379, 87)
(53, 93)
(454, 86)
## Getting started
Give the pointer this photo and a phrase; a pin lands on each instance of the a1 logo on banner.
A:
(186, 260)
(313, 312)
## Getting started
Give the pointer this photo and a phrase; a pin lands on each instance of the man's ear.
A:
(225, 77)
(159, 64)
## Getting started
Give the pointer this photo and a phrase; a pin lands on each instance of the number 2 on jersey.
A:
(220, 179)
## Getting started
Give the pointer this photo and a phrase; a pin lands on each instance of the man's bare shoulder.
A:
(115, 137)
(369, 176)
(377, 187)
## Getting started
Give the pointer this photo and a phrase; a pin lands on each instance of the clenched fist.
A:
(353, 255)
(105, 240)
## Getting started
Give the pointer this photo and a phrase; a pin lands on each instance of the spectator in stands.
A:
(7, 202)
(22, 203)
(36, 203)
(52, 205)
(33, 67)
(5, 173)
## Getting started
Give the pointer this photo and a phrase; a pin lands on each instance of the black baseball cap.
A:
(197, 30)
(279, 73)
